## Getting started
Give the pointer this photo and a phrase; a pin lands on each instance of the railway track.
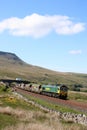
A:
(81, 106)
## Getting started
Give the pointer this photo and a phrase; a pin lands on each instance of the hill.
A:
(11, 66)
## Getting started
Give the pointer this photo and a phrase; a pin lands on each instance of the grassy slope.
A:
(16, 114)
(11, 67)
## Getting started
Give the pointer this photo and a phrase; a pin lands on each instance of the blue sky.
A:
(50, 33)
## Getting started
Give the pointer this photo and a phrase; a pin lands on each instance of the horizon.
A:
(39, 66)
(49, 34)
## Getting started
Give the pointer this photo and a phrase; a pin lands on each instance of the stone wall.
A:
(67, 116)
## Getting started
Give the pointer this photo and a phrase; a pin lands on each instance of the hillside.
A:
(11, 66)
(26, 112)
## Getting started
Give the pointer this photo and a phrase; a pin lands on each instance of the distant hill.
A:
(11, 66)
(10, 58)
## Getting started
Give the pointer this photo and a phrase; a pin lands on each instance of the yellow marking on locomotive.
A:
(58, 91)
(47, 89)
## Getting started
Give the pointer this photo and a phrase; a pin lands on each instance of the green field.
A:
(16, 113)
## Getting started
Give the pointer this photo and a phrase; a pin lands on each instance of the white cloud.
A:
(37, 25)
(75, 52)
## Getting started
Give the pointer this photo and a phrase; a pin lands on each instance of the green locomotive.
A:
(60, 91)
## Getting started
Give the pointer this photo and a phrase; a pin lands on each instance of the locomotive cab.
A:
(63, 91)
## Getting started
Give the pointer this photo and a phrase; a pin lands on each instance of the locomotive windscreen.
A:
(64, 88)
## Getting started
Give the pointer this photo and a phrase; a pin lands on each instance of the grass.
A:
(38, 120)
(24, 120)
(7, 120)
(13, 102)
(79, 96)
(52, 106)
(16, 114)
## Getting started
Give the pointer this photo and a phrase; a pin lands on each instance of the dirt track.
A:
(70, 103)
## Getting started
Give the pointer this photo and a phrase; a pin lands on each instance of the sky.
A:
(49, 33)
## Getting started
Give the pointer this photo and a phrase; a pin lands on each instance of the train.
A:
(57, 91)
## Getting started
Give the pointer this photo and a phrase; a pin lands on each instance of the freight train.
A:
(58, 91)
